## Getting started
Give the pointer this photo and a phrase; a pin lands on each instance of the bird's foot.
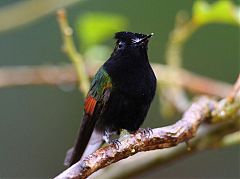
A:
(107, 137)
(146, 131)
(116, 143)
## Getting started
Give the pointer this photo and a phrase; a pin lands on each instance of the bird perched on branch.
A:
(119, 97)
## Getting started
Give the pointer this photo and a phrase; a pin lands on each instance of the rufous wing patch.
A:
(89, 105)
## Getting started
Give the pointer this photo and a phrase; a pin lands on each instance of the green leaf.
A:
(222, 11)
(97, 54)
(95, 28)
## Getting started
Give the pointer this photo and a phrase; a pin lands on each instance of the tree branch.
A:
(214, 136)
(56, 75)
(164, 137)
(208, 137)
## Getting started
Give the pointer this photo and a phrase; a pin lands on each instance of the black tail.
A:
(85, 132)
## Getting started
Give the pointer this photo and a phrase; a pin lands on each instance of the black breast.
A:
(134, 86)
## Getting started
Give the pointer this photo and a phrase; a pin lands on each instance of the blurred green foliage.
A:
(94, 28)
(97, 54)
(222, 11)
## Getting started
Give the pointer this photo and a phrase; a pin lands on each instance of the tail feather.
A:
(94, 143)
(89, 139)
(68, 157)
(87, 142)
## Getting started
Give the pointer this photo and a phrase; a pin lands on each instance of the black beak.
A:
(144, 39)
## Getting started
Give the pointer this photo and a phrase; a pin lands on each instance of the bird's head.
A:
(129, 41)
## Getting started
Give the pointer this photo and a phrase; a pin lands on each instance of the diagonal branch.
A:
(203, 110)
(208, 137)
(164, 137)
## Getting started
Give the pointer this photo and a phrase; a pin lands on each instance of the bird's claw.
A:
(146, 131)
(116, 143)
(108, 140)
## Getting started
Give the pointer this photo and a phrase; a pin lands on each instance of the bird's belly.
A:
(129, 101)
(124, 112)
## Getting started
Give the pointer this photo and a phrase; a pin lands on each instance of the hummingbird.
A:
(119, 98)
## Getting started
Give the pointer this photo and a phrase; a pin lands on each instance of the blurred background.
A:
(38, 124)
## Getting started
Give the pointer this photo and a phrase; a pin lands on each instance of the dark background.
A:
(39, 123)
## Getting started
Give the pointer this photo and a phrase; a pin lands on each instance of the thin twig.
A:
(64, 74)
(37, 75)
(173, 96)
(24, 12)
(191, 81)
(71, 51)
(236, 90)
(229, 106)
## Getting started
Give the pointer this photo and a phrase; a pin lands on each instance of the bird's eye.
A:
(120, 45)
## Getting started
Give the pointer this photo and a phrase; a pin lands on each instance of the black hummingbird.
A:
(119, 97)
